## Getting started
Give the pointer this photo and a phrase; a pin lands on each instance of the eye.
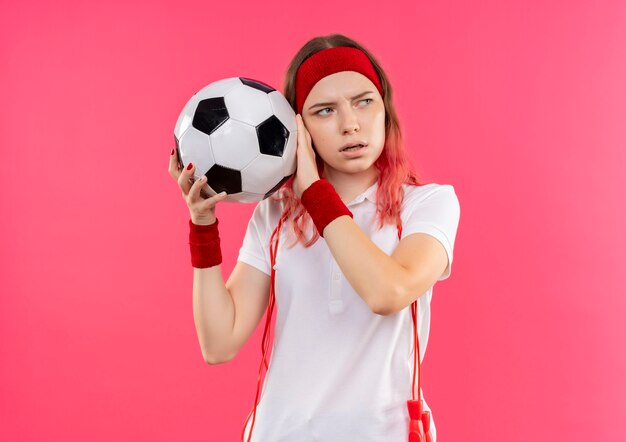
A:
(318, 112)
(328, 108)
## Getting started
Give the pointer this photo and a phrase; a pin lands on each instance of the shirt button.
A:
(336, 276)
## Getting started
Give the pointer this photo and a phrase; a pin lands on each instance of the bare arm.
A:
(213, 314)
(226, 315)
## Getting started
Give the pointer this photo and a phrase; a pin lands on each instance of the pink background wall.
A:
(520, 105)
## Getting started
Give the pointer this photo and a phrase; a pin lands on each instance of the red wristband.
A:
(323, 204)
(204, 243)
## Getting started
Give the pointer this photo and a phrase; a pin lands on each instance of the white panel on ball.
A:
(219, 88)
(262, 174)
(197, 150)
(248, 105)
(186, 117)
(235, 144)
(283, 111)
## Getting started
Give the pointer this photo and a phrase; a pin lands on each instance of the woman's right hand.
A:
(202, 211)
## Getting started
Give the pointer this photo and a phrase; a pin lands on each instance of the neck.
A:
(348, 186)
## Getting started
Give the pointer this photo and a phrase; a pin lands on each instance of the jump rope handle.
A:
(419, 419)
(419, 425)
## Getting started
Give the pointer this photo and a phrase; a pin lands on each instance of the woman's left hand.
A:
(306, 168)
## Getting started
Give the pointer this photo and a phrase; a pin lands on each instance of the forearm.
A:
(373, 274)
(214, 313)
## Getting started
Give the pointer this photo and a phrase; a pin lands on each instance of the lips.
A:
(355, 143)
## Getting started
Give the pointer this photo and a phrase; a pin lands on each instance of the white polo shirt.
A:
(339, 372)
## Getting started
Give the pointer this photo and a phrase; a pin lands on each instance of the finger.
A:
(185, 179)
(305, 132)
(173, 165)
(307, 135)
(309, 139)
(213, 200)
(301, 135)
(196, 187)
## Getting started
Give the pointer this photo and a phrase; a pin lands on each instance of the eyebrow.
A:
(353, 98)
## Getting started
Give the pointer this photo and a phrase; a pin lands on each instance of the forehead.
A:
(340, 84)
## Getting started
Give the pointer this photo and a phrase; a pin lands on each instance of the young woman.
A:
(368, 242)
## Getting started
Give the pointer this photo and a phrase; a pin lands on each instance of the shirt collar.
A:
(369, 194)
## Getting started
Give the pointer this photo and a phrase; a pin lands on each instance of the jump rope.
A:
(419, 424)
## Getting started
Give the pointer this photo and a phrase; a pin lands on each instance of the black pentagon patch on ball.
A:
(222, 178)
(257, 85)
(277, 186)
(210, 115)
(272, 136)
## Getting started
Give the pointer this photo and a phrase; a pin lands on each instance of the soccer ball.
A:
(240, 133)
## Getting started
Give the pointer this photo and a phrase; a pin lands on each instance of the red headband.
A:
(329, 61)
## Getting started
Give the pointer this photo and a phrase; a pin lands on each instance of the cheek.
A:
(378, 124)
(319, 136)
(380, 118)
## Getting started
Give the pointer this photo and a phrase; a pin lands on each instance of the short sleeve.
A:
(255, 247)
(436, 213)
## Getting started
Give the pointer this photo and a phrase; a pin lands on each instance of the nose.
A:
(349, 122)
